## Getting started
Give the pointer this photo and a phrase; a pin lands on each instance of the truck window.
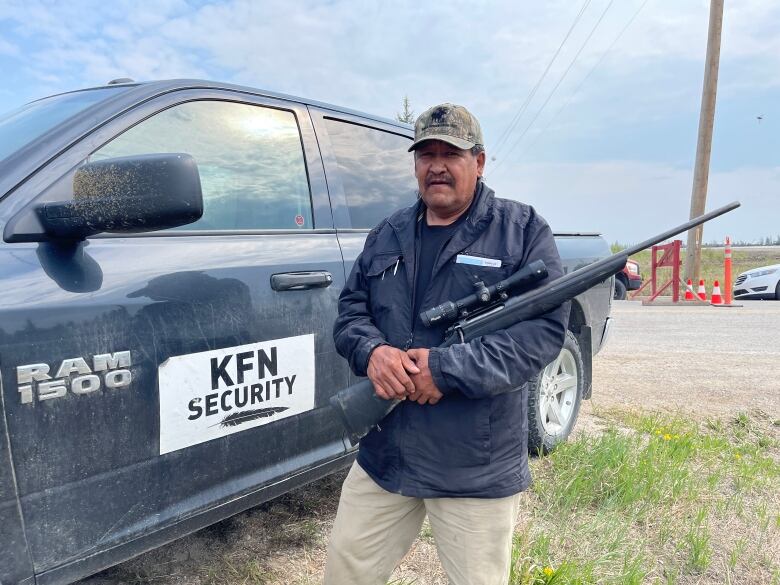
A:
(23, 125)
(376, 171)
(250, 160)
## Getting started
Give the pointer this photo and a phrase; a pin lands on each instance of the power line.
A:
(565, 73)
(584, 79)
(554, 89)
(516, 119)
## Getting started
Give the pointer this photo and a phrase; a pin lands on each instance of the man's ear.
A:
(480, 163)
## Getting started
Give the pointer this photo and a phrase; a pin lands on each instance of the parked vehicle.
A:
(628, 279)
(171, 262)
(758, 283)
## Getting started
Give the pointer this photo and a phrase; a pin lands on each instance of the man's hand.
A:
(388, 370)
(425, 389)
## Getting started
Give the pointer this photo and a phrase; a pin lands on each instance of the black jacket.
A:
(473, 442)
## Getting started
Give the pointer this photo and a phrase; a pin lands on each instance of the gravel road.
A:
(701, 360)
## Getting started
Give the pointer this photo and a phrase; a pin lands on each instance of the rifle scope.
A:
(449, 310)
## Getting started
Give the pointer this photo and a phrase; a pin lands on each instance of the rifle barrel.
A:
(360, 409)
(681, 228)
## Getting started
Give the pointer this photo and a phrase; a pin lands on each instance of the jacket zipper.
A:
(410, 341)
(407, 345)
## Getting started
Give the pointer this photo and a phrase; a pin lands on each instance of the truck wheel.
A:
(554, 398)
(620, 290)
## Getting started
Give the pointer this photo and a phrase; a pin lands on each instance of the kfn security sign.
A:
(207, 395)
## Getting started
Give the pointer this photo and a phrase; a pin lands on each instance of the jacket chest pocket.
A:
(386, 278)
(381, 263)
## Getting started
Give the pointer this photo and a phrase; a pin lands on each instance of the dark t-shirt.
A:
(432, 238)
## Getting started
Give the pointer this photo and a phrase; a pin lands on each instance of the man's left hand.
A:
(425, 390)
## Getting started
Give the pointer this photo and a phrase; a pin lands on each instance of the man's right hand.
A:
(388, 370)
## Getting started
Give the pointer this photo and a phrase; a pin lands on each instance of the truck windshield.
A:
(23, 125)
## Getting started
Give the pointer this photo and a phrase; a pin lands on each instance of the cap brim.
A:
(456, 142)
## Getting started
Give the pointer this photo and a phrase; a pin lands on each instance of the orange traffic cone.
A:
(702, 291)
(689, 291)
(716, 298)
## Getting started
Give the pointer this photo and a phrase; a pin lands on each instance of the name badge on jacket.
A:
(477, 261)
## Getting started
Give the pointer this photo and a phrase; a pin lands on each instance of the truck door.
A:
(162, 381)
(370, 174)
(15, 565)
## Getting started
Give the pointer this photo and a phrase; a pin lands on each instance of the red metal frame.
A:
(670, 257)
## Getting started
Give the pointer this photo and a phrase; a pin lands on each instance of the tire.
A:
(777, 291)
(620, 290)
(552, 411)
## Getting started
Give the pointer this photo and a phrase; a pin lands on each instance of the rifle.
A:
(492, 309)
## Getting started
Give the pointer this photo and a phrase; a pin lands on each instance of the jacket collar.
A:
(404, 224)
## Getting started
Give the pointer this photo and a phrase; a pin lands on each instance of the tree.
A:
(407, 113)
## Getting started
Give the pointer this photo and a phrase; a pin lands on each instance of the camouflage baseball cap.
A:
(449, 123)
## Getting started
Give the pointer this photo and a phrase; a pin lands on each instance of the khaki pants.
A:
(375, 528)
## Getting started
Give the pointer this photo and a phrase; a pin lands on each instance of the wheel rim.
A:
(558, 392)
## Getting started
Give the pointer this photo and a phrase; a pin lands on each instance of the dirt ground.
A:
(696, 361)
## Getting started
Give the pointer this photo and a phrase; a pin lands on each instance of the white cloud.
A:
(487, 55)
(369, 55)
(629, 201)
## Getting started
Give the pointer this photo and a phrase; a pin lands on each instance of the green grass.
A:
(696, 543)
(648, 502)
(426, 532)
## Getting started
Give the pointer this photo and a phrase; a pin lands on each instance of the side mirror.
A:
(125, 195)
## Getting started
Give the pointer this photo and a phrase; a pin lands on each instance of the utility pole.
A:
(701, 169)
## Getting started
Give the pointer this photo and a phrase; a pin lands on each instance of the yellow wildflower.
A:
(737, 456)
(658, 433)
(548, 571)
(667, 437)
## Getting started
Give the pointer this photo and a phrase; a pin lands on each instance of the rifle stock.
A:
(360, 409)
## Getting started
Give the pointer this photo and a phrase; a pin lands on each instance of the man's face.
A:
(446, 176)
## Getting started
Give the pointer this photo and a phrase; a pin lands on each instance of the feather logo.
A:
(239, 418)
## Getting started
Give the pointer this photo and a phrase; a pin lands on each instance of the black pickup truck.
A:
(171, 260)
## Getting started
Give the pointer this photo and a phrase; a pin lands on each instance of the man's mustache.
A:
(430, 180)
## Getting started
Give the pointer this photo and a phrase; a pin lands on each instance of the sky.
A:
(589, 108)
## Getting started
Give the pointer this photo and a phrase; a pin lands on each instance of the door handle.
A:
(301, 280)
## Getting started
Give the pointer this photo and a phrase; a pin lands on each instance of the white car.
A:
(758, 283)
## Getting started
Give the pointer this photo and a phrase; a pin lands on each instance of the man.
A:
(455, 447)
